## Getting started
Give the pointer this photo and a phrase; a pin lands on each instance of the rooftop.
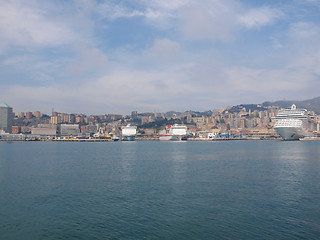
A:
(4, 105)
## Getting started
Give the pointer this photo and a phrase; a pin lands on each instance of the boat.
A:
(101, 134)
(173, 133)
(129, 133)
(293, 123)
(115, 138)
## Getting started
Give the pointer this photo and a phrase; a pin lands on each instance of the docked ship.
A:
(129, 133)
(293, 123)
(173, 133)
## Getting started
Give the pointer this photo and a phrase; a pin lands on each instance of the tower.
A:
(6, 118)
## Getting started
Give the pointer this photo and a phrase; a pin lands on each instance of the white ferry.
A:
(173, 133)
(293, 123)
(129, 133)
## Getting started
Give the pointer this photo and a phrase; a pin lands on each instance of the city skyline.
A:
(109, 56)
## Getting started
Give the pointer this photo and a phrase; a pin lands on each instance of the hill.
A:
(248, 107)
(310, 104)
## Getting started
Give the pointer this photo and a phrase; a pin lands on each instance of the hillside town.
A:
(237, 122)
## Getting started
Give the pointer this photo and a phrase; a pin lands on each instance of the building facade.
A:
(42, 130)
(69, 130)
(6, 118)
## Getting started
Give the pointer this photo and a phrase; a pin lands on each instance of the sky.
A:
(117, 56)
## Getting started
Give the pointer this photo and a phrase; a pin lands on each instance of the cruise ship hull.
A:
(172, 137)
(292, 133)
(173, 133)
(129, 133)
(128, 138)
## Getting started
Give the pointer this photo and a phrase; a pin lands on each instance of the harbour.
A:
(151, 120)
(242, 122)
(147, 139)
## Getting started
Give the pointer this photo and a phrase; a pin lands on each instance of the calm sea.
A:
(160, 190)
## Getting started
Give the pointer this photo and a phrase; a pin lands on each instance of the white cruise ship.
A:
(173, 133)
(293, 123)
(129, 133)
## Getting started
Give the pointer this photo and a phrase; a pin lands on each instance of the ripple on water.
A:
(160, 190)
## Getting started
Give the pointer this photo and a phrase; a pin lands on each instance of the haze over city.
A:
(96, 57)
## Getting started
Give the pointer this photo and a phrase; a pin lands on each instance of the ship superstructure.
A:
(173, 133)
(129, 133)
(293, 123)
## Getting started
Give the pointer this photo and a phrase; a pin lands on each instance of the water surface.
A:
(160, 190)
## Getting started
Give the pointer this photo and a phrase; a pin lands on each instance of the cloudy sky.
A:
(115, 56)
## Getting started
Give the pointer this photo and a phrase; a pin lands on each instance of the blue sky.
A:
(109, 56)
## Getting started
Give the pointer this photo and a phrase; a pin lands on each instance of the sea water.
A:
(160, 190)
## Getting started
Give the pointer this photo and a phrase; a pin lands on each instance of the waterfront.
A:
(160, 190)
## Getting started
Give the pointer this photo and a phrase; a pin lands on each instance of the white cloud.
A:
(159, 14)
(150, 9)
(309, 62)
(256, 18)
(303, 43)
(24, 23)
(121, 90)
(206, 19)
(181, 87)
(223, 20)
(304, 31)
(164, 50)
(113, 11)
(167, 5)
(262, 80)
(212, 20)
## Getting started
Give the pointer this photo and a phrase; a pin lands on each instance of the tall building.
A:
(21, 115)
(134, 114)
(37, 114)
(55, 120)
(29, 115)
(6, 118)
(72, 118)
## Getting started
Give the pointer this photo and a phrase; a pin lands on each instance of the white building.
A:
(45, 130)
(69, 130)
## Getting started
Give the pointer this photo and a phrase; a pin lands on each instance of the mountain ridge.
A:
(309, 104)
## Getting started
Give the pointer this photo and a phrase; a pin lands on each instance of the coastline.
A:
(155, 139)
